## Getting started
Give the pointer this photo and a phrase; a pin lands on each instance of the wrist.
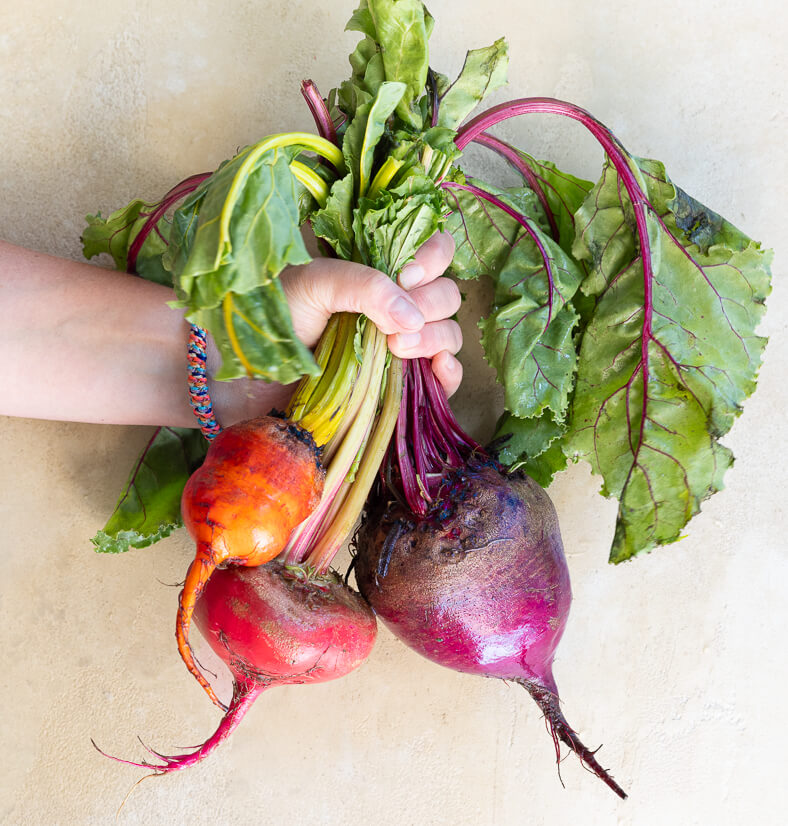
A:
(242, 398)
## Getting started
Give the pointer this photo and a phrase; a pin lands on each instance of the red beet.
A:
(274, 625)
(480, 584)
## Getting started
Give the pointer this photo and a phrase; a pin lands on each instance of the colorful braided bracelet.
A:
(199, 395)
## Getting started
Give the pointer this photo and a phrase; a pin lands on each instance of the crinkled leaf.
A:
(390, 228)
(483, 72)
(527, 337)
(532, 445)
(401, 29)
(115, 234)
(534, 354)
(230, 241)
(563, 192)
(334, 222)
(665, 366)
(149, 507)
(484, 235)
(410, 149)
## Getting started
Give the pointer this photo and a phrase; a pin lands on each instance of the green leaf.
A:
(366, 129)
(390, 228)
(368, 72)
(564, 194)
(667, 362)
(401, 31)
(334, 223)
(532, 445)
(483, 235)
(350, 97)
(361, 21)
(533, 353)
(483, 72)
(230, 241)
(252, 326)
(527, 337)
(115, 234)
(149, 507)
(247, 230)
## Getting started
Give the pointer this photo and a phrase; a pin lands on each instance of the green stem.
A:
(310, 142)
(343, 520)
(367, 389)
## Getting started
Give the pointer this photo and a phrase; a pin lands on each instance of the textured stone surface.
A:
(676, 661)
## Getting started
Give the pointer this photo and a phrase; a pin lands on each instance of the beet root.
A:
(275, 625)
(260, 479)
(479, 585)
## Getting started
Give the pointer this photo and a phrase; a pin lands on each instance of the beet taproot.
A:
(480, 584)
(274, 625)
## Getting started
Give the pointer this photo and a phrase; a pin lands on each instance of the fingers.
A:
(429, 341)
(437, 300)
(327, 286)
(448, 371)
(324, 286)
(431, 261)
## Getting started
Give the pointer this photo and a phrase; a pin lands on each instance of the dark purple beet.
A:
(479, 585)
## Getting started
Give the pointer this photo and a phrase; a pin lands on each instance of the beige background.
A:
(675, 662)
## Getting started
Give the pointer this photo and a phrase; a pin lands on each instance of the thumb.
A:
(325, 286)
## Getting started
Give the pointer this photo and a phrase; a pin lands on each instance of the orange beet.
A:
(260, 479)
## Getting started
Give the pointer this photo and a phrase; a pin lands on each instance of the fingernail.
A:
(405, 314)
(411, 275)
(407, 341)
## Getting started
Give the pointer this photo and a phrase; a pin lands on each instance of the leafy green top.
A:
(624, 313)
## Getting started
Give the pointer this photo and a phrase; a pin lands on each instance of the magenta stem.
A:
(317, 106)
(508, 152)
(620, 159)
(177, 193)
(428, 440)
(526, 225)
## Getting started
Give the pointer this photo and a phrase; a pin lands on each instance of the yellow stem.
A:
(345, 517)
(227, 308)
(383, 178)
(317, 187)
(310, 142)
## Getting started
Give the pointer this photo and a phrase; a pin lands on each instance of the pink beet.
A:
(274, 625)
(463, 561)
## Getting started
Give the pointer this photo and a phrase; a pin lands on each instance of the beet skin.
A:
(479, 585)
(275, 625)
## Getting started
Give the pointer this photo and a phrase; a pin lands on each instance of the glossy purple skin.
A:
(484, 590)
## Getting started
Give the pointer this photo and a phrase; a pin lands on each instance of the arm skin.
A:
(82, 343)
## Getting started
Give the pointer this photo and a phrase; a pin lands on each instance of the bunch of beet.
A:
(461, 560)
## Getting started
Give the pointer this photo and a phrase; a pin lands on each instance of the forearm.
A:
(86, 344)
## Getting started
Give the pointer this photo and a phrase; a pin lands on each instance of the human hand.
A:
(414, 315)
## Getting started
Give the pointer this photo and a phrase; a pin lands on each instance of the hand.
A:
(414, 315)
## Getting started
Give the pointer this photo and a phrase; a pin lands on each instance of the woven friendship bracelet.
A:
(199, 396)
